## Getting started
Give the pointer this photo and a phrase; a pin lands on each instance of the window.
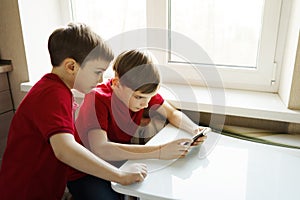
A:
(240, 40)
(229, 31)
(283, 24)
(110, 18)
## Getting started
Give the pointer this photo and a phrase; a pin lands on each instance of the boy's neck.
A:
(60, 73)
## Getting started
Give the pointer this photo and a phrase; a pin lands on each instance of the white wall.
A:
(37, 25)
(12, 46)
(288, 66)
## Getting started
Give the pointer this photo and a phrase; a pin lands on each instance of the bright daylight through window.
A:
(224, 29)
(239, 36)
(109, 18)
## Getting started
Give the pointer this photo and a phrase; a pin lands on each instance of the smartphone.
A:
(201, 133)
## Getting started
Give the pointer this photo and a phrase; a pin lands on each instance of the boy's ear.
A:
(116, 81)
(71, 65)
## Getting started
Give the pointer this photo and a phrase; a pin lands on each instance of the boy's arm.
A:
(179, 119)
(112, 151)
(68, 151)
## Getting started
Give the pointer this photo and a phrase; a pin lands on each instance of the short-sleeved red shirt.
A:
(102, 109)
(29, 168)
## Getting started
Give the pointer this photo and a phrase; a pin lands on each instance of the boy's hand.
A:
(201, 139)
(133, 173)
(175, 149)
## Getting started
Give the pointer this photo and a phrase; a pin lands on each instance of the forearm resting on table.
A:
(115, 151)
(111, 151)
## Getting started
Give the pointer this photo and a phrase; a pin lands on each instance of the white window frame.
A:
(262, 105)
(264, 78)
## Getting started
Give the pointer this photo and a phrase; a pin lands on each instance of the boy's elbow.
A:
(101, 153)
(60, 145)
(59, 155)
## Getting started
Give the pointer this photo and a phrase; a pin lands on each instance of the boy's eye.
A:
(98, 72)
(138, 97)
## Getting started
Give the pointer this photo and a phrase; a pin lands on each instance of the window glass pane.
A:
(228, 30)
(109, 18)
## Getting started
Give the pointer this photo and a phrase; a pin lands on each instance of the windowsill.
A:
(259, 105)
(241, 103)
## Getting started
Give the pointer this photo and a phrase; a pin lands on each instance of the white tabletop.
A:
(222, 168)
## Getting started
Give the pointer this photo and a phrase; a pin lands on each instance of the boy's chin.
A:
(135, 109)
(84, 91)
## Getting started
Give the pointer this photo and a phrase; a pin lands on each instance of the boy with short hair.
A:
(111, 114)
(41, 145)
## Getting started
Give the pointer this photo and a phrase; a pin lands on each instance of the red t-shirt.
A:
(29, 168)
(102, 109)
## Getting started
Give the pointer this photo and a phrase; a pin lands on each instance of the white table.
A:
(222, 168)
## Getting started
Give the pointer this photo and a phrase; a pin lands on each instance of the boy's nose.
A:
(144, 104)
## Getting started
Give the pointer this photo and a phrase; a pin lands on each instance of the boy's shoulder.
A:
(104, 89)
(50, 84)
(101, 92)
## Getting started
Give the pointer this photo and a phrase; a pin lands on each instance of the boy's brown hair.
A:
(136, 70)
(79, 42)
